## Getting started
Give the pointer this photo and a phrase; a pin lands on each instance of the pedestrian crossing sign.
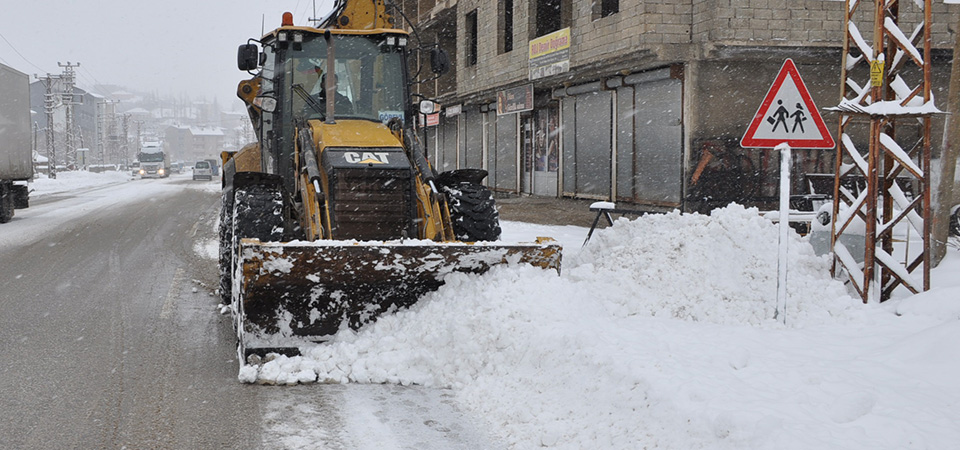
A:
(787, 115)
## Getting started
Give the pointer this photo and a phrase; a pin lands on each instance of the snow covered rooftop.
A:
(206, 131)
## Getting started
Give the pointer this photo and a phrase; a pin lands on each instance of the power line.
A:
(20, 54)
(97, 85)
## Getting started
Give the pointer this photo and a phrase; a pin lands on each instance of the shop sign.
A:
(515, 100)
(454, 110)
(549, 54)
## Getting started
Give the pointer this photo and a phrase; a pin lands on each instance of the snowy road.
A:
(658, 334)
(111, 339)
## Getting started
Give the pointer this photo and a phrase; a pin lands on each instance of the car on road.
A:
(202, 170)
(214, 166)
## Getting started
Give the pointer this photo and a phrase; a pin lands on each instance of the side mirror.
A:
(248, 55)
(439, 61)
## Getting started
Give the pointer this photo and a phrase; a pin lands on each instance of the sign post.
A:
(783, 241)
(787, 118)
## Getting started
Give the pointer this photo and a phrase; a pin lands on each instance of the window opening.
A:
(605, 8)
(548, 16)
(471, 31)
(506, 26)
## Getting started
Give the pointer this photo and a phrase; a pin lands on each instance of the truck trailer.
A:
(154, 162)
(16, 141)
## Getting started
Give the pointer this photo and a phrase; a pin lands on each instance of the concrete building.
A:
(189, 143)
(637, 102)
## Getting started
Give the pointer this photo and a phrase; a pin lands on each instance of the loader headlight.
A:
(402, 42)
(282, 36)
(391, 40)
(160, 171)
(266, 104)
(142, 172)
(297, 38)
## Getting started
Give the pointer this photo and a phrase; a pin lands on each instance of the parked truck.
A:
(16, 141)
(154, 162)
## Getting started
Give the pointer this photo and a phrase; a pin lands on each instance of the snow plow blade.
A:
(296, 293)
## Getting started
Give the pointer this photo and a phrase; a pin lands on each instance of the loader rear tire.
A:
(258, 213)
(226, 247)
(252, 211)
(473, 212)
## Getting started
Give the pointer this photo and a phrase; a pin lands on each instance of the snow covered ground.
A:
(74, 180)
(660, 334)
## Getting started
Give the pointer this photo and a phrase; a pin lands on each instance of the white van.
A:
(202, 170)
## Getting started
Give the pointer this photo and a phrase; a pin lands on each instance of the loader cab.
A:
(370, 83)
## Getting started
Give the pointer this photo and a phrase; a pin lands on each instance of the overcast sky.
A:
(167, 46)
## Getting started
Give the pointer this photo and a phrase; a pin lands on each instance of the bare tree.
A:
(943, 196)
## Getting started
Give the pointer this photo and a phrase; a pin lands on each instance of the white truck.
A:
(16, 141)
(154, 162)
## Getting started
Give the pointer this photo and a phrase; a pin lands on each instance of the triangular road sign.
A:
(787, 115)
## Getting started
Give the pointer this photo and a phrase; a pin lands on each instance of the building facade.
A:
(637, 102)
(190, 143)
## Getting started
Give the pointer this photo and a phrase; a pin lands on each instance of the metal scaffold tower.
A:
(887, 105)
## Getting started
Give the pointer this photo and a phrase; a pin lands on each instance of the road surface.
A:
(111, 338)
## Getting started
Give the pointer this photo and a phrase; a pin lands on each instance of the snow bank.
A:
(659, 334)
(719, 268)
(73, 180)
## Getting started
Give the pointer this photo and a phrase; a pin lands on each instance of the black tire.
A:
(473, 212)
(252, 211)
(21, 196)
(226, 249)
(258, 213)
(6, 203)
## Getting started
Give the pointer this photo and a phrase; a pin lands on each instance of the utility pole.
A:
(139, 131)
(68, 102)
(101, 125)
(125, 156)
(49, 104)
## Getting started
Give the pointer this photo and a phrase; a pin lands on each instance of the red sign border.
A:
(749, 141)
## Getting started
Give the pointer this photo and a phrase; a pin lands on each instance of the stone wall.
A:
(668, 31)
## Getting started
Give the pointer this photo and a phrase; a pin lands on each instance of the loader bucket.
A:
(294, 293)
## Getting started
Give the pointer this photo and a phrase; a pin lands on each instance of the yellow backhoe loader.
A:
(335, 216)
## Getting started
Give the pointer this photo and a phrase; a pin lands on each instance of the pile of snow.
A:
(660, 334)
(719, 268)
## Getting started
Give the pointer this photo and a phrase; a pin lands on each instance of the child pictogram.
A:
(798, 117)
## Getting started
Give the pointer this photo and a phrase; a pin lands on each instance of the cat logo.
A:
(366, 157)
